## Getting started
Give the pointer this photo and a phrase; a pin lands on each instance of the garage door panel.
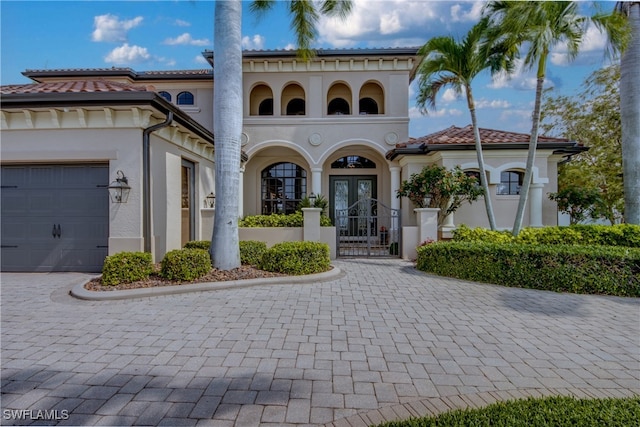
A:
(61, 196)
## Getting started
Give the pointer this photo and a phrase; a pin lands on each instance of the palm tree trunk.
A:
(483, 175)
(227, 126)
(533, 145)
(630, 115)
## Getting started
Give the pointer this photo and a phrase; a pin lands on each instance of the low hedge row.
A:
(280, 220)
(250, 250)
(296, 258)
(560, 268)
(609, 235)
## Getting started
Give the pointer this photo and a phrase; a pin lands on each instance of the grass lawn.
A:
(537, 412)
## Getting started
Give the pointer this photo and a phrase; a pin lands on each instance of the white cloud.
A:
(494, 103)
(126, 54)
(109, 28)
(253, 43)
(461, 14)
(199, 59)
(186, 39)
(591, 50)
(520, 79)
(416, 113)
(181, 23)
(450, 95)
(389, 22)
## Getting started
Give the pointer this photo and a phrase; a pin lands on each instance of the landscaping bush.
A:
(296, 258)
(627, 235)
(557, 411)
(279, 220)
(126, 267)
(251, 252)
(185, 264)
(198, 244)
(560, 268)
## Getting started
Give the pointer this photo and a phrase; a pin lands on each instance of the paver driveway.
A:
(380, 342)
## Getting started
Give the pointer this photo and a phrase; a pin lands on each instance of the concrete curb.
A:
(79, 291)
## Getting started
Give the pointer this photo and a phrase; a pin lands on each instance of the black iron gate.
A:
(368, 228)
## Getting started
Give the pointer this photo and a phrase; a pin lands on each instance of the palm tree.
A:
(227, 106)
(446, 62)
(630, 114)
(540, 26)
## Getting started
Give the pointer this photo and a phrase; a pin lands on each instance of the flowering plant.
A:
(437, 187)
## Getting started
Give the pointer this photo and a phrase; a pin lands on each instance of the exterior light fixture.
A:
(312, 200)
(119, 188)
(210, 201)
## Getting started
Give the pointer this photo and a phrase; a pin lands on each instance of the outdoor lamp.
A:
(312, 200)
(210, 200)
(119, 188)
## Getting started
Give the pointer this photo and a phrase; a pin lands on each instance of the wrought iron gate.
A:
(368, 228)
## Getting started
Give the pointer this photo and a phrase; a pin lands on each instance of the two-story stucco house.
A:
(336, 125)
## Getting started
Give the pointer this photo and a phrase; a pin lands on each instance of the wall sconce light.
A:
(210, 201)
(312, 200)
(119, 188)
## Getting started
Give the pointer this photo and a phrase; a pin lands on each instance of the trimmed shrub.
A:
(185, 264)
(560, 268)
(280, 220)
(126, 267)
(251, 251)
(296, 258)
(608, 235)
(198, 244)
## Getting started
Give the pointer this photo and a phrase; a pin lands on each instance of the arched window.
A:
(339, 99)
(266, 108)
(510, 183)
(284, 185)
(338, 106)
(474, 174)
(165, 95)
(368, 106)
(371, 98)
(261, 101)
(296, 107)
(293, 101)
(185, 98)
(353, 162)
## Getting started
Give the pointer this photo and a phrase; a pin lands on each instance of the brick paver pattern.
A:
(384, 341)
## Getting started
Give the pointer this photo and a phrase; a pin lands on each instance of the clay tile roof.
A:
(70, 87)
(459, 136)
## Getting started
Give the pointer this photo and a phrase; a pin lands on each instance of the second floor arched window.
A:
(185, 98)
(165, 95)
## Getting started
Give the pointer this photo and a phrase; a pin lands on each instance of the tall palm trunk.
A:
(533, 145)
(483, 175)
(227, 126)
(630, 115)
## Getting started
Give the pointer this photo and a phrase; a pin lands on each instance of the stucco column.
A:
(395, 186)
(316, 181)
(448, 226)
(241, 195)
(311, 224)
(535, 204)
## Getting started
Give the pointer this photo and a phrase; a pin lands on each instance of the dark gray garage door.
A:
(54, 217)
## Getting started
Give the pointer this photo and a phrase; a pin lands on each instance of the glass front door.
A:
(346, 191)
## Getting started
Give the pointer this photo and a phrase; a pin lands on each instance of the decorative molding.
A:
(315, 139)
(244, 139)
(391, 138)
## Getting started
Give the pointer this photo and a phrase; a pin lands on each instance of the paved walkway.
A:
(383, 341)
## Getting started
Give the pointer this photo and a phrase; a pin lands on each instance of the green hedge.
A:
(561, 268)
(609, 235)
(185, 264)
(251, 252)
(279, 220)
(126, 267)
(296, 258)
(198, 244)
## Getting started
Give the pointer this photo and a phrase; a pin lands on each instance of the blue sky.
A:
(161, 35)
